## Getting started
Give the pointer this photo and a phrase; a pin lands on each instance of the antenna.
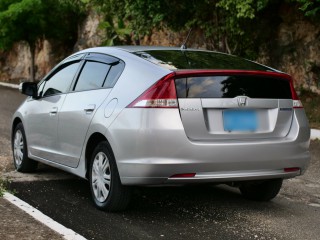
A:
(184, 46)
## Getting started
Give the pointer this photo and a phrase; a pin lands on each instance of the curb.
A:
(66, 233)
(315, 133)
(10, 85)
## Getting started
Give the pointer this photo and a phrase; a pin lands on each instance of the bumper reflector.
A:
(183, 175)
(294, 169)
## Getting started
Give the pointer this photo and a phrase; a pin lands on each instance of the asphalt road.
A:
(206, 212)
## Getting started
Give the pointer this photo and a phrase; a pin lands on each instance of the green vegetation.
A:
(311, 103)
(311, 8)
(3, 185)
(31, 20)
(238, 27)
(222, 22)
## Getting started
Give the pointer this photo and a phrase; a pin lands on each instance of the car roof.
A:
(133, 49)
(150, 48)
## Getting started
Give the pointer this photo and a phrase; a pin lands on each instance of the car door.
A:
(43, 113)
(91, 88)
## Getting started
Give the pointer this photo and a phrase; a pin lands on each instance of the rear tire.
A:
(261, 190)
(107, 192)
(20, 151)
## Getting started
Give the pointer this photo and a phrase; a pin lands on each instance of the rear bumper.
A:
(160, 171)
(151, 146)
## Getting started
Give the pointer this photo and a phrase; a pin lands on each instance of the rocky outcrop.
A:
(296, 50)
(90, 35)
(15, 64)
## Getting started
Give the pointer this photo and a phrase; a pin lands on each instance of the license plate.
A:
(240, 120)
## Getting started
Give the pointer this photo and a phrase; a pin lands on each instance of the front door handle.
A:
(90, 108)
(54, 111)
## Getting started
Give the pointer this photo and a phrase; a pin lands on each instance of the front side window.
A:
(92, 76)
(60, 82)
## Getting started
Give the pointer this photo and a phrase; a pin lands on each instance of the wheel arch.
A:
(15, 122)
(92, 142)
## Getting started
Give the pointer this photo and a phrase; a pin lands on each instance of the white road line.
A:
(66, 233)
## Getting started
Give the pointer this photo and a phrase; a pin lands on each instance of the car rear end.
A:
(235, 122)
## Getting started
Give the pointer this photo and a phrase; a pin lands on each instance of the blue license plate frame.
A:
(240, 120)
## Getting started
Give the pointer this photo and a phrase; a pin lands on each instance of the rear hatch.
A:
(234, 104)
(236, 99)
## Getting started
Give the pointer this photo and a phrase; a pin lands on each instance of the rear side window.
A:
(95, 75)
(92, 76)
(113, 75)
(233, 86)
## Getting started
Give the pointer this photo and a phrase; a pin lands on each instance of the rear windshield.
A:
(177, 59)
(233, 86)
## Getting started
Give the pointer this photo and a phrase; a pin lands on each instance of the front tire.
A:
(106, 189)
(261, 190)
(20, 151)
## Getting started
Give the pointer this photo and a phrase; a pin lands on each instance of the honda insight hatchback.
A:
(137, 116)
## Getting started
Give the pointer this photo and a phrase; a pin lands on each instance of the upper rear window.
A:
(177, 59)
(233, 86)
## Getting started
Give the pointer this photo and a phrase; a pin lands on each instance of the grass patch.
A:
(3, 186)
(311, 104)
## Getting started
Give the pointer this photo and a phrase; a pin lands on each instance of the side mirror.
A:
(29, 89)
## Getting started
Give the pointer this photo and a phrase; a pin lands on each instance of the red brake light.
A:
(160, 95)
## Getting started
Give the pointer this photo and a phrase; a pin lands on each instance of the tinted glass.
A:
(92, 76)
(176, 59)
(60, 81)
(74, 57)
(113, 75)
(233, 86)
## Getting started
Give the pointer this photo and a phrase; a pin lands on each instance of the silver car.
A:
(136, 116)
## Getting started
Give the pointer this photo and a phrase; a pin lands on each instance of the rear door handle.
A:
(90, 108)
(54, 111)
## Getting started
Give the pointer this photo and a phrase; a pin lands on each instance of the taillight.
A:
(295, 99)
(160, 95)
